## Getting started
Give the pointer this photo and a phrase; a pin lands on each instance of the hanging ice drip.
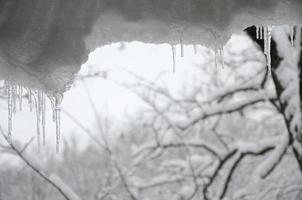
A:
(173, 57)
(40, 114)
(176, 31)
(182, 53)
(20, 93)
(259, 32)
(14, 98)
(43, 107)
(29, 99)
(267, 47)
(8, 91)
(292, 35)
(221, 55)
(37, 100)
(218, 50)
(56, 100)
(265, 33)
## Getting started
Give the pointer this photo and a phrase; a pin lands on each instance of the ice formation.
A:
(44, 43)
(173, 57)
(36, 99)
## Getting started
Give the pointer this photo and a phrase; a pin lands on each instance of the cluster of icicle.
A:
(262, 33)
(218, 55)
(36, 101)
(265, 33)
(177, 31)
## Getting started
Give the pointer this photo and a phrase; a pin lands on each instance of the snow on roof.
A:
(44, 43)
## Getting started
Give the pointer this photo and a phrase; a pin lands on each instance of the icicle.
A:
(20, 93)
(181, 48)
(174, 57)
(43, 107)
(5, 88)
(269, 60)
(38, 115)
(222, 57)
(267, 47)
(52, 103)
(14, 98)
(292, 35)
(58, 101)
(10, 110)
(257, 32)
(29, 98)
(261, 32)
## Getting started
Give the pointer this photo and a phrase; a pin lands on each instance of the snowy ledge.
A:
(44, 43)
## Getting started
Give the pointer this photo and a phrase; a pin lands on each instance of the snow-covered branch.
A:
(240, 151)
(225, 108)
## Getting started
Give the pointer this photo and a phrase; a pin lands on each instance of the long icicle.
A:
(182, 53)
(58, 101)
(173, 57)
(14, 97)
(292, 35)
(10, 109)
(38, 115)
(267, 46)
(269, 59)
(52, 103)
(257, 32)
(222, 57)
(20, 94)
(29, 98)
(43, 118)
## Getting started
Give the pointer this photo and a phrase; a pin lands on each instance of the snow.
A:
(254, 147)
(187, 190)
(44, 49)
(273, 158)
(176, 163)
(200, 160)
(279, 142)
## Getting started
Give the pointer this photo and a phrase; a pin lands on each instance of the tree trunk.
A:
(286, 64)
